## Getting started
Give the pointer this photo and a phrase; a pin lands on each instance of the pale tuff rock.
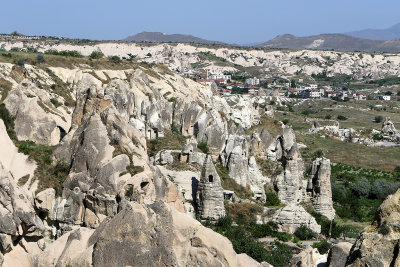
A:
(338, 254)
(319, 187)
(18, 222)
(181, 56)
(388, 127)
(292, 216)
(210, 196)
(105, 142)
(257, 180)
(289, 183)
(264, 145)
(158, 236)
(44, 200)
(31, 121)
(378, 244)
(309, 257)
(236, 151)
(18, 164)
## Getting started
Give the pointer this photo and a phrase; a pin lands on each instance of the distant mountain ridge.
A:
(159, 37)
(378, 34)
(338, 42)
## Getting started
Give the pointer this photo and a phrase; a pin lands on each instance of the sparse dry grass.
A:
(383, 158)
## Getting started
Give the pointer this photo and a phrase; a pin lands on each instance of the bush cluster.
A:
(65, 53)
(305, 233)
(243, 238)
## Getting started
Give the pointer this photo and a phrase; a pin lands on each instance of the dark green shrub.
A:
(40, 58)
(305, 233)
(285, 121)
(381, 188)
(203, 147)
(272, 199)
(8, 121)
(322, 246)
(341, 117)
(55, 102)
(172, 99)
(114, 59)
(282, 236)
(263, 230)
(305, 112)
(26, 147)
(279, 254)
(328, 117)
(362, 188)
(96, 55)
(378, 119)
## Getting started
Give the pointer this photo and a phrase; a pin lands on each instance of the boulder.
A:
(307, 258)
(319, 187)
(338, 254)
(31, 121)
(289, 183)
(292, 216)
(378, 244)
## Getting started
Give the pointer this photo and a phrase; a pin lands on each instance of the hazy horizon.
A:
(225, 21)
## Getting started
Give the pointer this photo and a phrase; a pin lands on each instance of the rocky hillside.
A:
(183, 57)
(338, 42)
(390, 33)
(159, 37)
(98, 164)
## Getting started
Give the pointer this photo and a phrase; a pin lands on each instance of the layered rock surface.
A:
(378, 244)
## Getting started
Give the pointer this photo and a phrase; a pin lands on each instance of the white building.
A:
(253, 81)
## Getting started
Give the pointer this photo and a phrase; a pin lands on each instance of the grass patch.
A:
(273, 126)
(172, 140)
(244, 240)
(8, 121)
(381, 158)
(5, 87)
(49, 175)
(230, 184)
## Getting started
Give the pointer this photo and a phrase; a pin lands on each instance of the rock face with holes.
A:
(388, 128)
(319, 187)
(210, 195)
(378, 244)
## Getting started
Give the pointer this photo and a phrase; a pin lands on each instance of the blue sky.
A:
(230, 21)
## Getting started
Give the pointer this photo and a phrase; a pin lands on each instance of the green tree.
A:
(96, 55)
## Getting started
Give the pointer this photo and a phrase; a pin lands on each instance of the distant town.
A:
(229, 84)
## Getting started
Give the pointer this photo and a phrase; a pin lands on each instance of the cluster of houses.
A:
(315, 91)
(226, 86)
(223, 83)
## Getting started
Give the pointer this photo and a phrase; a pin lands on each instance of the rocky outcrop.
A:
(319, 187)
(20, 226)
(378, 244)
(210, 195)
(16, 163)
(338, 254)
(292, 216)
(388, 127)
(289, 184)
(144, 235)
(31, 121)
(309, 257)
